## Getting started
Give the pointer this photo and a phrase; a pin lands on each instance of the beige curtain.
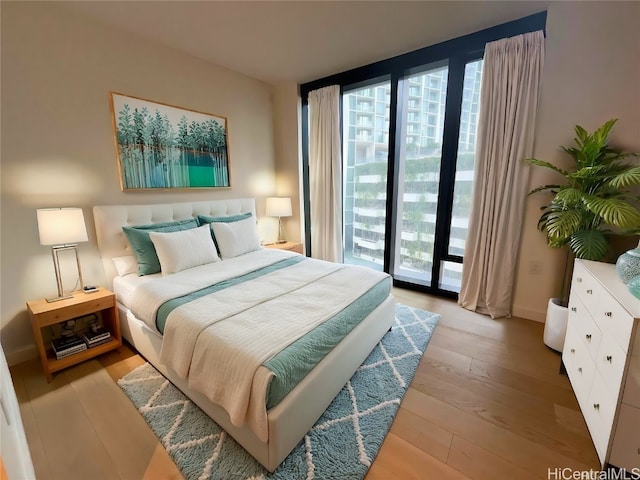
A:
(325, 174)
(511, 76)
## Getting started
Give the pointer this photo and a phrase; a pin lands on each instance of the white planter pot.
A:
(555, 326)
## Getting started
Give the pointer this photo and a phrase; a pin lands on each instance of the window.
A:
(408, 170)
(365, 184)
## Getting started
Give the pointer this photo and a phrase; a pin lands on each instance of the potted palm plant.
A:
(594, 202)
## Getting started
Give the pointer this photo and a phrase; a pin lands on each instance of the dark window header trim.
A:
(471, 45)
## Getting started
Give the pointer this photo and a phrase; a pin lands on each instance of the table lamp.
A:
(62, 228)
(279, 207)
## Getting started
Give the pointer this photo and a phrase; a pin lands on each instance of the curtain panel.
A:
(325, 174)
(509, 98)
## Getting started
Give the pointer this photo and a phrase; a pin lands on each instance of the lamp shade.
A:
(60, 226)
(278, 207)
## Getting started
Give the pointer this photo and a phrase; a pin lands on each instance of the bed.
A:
(269, 439)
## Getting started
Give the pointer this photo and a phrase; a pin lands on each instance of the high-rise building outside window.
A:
(365, 159)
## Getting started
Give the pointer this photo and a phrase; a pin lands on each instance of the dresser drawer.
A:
(585, 286)
(598, 412)
(625, 452)
(603, 328)
(610, 363)
(586, 328)
(614, 319)
(75, 310)
(580, 367)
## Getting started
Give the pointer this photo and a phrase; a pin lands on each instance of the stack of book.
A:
(96, 336)
(68, 345)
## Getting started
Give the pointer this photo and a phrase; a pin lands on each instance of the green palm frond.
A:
(561, 223)
(597, 195)
(611, 156)
(576, 154)
(626, 178)
(542, 163)
(545, 187)
(601, 135)
(582, 135)
(614, 211)
(568, 197)
(557, 242)
(589, 244)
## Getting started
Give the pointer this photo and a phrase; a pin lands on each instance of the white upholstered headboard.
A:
(109, 220)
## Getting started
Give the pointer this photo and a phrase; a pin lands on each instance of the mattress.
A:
(125, 286)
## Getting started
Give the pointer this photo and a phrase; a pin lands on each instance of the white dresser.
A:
(602, 357)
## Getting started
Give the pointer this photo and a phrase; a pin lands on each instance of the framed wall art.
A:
(161, 146)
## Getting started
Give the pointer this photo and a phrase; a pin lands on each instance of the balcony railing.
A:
(369, 179)
(369, 227)
(369, 212)
(368, 244)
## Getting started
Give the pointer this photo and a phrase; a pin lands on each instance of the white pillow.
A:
(178, 251)
(125, 265)
(236, 238)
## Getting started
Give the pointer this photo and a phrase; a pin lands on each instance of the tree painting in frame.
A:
(162, 146)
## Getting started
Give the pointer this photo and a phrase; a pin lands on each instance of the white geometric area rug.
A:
(340, 446)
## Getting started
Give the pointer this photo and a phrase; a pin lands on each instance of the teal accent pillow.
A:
(142, 245)
(204, 219)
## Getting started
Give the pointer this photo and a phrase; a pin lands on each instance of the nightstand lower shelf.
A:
(55, 365)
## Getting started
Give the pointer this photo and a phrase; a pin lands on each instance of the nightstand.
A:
(293, 246)
(44, 314)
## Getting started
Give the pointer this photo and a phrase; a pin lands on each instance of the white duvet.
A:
(220, 341)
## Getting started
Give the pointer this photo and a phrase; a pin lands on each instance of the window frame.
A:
(456, 53)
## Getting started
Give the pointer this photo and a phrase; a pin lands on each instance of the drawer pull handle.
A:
(588, 335)
(590, 292)
(609, 358)
(579, 279)
(574, 309)
(608, 314)
(580, 369)
(573, 350)
(596, 406)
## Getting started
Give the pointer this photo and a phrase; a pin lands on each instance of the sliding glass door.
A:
(421, 124)
(365, 158)
(430, 204)
(451, 271)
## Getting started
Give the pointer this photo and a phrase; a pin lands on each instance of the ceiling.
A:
(300, 41)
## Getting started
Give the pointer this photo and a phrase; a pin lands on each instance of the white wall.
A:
(286, 106)
(591, 74)
(58, 145)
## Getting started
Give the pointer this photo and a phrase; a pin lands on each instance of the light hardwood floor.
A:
(487, 402)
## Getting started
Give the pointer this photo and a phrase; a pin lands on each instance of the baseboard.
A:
(535, 315)
(21, 355)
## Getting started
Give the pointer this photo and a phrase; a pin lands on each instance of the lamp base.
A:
(55, 250)
(57, 299)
